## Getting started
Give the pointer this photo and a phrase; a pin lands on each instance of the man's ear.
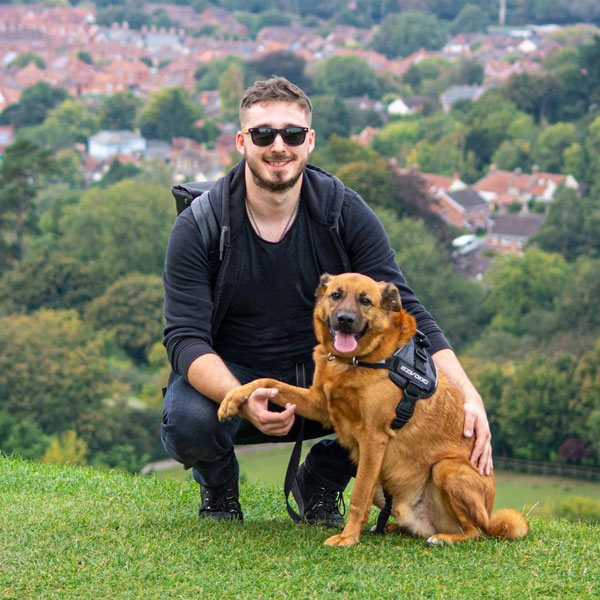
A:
(325, 279)
(240, 143)
(390, 298)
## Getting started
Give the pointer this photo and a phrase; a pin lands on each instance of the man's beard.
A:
(279, 184)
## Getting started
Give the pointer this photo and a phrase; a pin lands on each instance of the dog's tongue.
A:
(344, 342)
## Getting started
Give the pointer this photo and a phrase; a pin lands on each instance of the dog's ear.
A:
(390, 298)
(325, 279)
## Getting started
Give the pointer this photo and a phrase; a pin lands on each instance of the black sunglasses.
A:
(265, 136)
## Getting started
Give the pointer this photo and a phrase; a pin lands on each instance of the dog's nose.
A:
(345, 319)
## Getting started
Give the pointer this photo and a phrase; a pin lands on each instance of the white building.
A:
(105, 144)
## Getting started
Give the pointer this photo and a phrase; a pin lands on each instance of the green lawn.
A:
(513, 490)
(83, 534)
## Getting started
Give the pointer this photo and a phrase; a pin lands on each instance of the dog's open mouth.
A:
(345, 343)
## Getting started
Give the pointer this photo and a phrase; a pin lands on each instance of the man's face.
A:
(278, 166)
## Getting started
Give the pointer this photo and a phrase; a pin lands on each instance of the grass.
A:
(79, 533)
(513, 490)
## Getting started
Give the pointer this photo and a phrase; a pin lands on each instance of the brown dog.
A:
(437, 493)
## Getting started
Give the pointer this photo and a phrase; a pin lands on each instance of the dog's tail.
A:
(508, 524)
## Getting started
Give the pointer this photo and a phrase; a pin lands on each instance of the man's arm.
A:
(476, 421)
(211, 377)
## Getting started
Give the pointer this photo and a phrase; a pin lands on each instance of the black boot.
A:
(321, 503)
(221, 503)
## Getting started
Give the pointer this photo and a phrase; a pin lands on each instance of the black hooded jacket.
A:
(347, 236)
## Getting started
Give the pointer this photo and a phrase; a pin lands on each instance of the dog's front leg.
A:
(310, 403)
(371, 447)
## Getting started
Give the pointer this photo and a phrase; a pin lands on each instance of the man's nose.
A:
(278, 143)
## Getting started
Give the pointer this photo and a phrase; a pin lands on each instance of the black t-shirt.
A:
(269, 321)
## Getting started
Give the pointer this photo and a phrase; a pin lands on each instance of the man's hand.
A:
(476, 423)
(256, 410)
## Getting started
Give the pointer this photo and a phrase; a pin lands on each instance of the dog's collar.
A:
(356, 362)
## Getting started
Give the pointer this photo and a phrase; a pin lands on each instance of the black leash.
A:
(290, 484)
(384, 514)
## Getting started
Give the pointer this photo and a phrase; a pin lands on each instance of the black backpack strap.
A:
(185, 193)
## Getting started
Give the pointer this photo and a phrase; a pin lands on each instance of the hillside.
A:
(81, 533)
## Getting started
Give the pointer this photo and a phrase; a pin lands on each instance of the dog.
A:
(436, 492)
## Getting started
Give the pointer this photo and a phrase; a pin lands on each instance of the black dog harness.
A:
(412, 369)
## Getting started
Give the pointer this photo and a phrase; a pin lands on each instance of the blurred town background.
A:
(472, 128)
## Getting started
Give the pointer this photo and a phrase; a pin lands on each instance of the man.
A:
(283, 223)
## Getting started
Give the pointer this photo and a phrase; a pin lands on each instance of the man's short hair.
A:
(275, 89)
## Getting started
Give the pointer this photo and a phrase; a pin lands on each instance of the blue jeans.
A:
(193, 435)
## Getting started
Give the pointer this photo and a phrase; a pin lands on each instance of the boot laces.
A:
(329, 500)
(221, 500)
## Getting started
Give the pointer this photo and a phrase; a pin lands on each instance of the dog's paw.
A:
(434, 540)
(230, 407)
(341, 541)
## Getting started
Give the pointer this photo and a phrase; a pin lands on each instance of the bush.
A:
(575, 509)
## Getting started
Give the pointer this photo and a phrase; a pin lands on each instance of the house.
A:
(508, 234)
(440, 183)
(504, 189)
(459, 92)
(463, 208)
(399, 108)
(105, 144)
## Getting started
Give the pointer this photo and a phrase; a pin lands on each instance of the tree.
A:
(488, 123)
(347, 76)
(586, 402)
(49, 279)
(132, 310)
(231, 90)
(168, 113)
(207, 74)
(533, 412)
(35, 103)
(339, 151)
(281, 63)
(68, 123)
(396, 139)
(470, 19)
(119, 171)
(511, 155)
(22, 168)
(330, 116)
(576, 320)
(21, 437)
(67, 449)
(119, 111)
(455, 302)
(535, 93)
(372, 180)
(572, 226)
(25, 58)
(56, 374)
(59, 374)
(85, 56)
(412, 199)
(550, 146)
(522, 290)
(407, 32)
(120, 229)
(323, 9)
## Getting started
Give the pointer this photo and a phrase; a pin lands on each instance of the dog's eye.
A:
(365, 301)
(335, 296)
